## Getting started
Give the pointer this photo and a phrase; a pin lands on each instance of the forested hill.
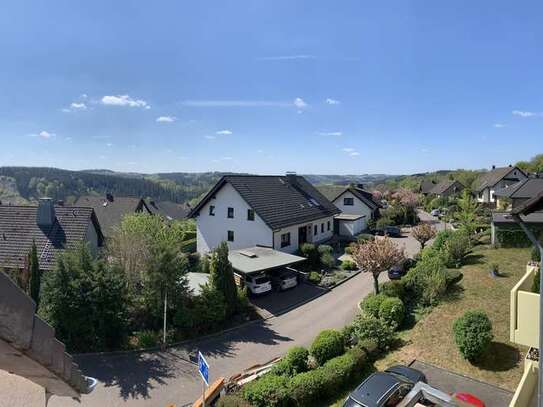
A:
(27, 184)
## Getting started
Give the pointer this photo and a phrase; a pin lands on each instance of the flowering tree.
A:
(422, 233)
(377, 195)
(376, 256)
(406, 197)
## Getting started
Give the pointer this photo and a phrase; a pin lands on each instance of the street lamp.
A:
(533, 205)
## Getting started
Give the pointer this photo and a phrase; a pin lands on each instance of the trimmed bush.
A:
(457, 248)
(374, 329)
(314, 277)
(427, 281)
(348, 265)
(371, 304)
(536, 282)
(327, 260)
(307, 388)
(472, 334)
(392, 311)
(268, 391)
(393, 289)
(309, 251)
(324, 248)
(327, 344)
(294, 362)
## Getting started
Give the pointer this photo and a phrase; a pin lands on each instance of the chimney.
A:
(46, 213)
(510, 165)
(493, 167)
(291, 177)
(109, 197)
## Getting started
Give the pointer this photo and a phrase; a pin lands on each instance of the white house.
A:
(280, 212)
(357, 208)
(497, 178)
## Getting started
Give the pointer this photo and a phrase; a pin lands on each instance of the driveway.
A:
(163, 378)
(450, 382)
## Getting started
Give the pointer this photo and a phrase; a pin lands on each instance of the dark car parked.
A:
(396, 272)
(384, 389)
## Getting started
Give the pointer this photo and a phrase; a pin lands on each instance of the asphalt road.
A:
(169, 377)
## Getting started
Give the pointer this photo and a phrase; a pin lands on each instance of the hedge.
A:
(369, 328)
(371, 304)
(392, 311)
(393, 289)
(294, 362)
(512, 238)
(232, 400)
(268, 391)
(327, 344)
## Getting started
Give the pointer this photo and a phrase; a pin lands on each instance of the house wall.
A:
(352, 228)
(311, 237)
(92, 239)
(488, 193)
(359, 207)
(212, 230)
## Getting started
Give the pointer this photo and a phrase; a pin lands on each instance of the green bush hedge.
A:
(393, 289)
(268, 391)
(315, 277)
(349, 265)
(371, 304)
(427, 281)
(294, 362)
(369, 328)
(511, 238)
(392, 311)
(327, 344)
(309, 251)
(472, 334)
(232, 400)
(456, 249)
(324, 248)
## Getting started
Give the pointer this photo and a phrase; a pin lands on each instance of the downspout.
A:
(537, 244)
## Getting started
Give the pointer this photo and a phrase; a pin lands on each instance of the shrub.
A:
(427, 281)
(441, 238)
(268, 391)
(347, 332)
(457, 248)
(349, 265)
(315, 277)
(536, 282)
(392, 311)
(453, 277)
(383, 222)
(310, 252)
(328, 344)
(147, 339)
(371, 304)
(364, 237)
(370, 346)
(393, 289)
(294, 362)
(536, 255)
(343, 367)
(232, 400)
(472, 334)
(307, 388)
(324, 248)
(374, 329)
(327, 260)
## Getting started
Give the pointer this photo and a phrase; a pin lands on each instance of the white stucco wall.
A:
(352, 228)
(488, 193)
(311, 237)
(212, 230)
(359, 207)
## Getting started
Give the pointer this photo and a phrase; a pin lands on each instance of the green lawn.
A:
(430, 340)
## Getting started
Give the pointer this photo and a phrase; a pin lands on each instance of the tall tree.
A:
(35, 275)
(222, 277)
(467, 213)
(376, 256)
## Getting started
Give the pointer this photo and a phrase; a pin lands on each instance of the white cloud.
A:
(330, 101)
(299, 103)
(235, 103)
(526, 114)
(330, 133)
(287, 57)
(499, 125)
(354, 154)
(124, 100)
(351, 151)
(225, 132)
(45, 135)
(166, 119)
(210, 137)
(78, 106)
(348, 149)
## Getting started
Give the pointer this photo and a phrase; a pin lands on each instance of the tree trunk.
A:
(376, 282)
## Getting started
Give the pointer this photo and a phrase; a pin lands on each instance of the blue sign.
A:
(203, 368)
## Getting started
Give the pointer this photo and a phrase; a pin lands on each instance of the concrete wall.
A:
(359, 207)
(212, 230)
(311, 237)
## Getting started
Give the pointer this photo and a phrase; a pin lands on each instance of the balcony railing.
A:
(525, 311)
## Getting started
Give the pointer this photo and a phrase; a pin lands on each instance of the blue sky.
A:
(270, 86)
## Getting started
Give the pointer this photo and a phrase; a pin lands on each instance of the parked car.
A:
(393, 231)
(386, 388)
(435, 212)
(284, 279)
(259, 284)
(396, 272)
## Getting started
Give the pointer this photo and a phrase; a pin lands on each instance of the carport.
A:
(259, 259)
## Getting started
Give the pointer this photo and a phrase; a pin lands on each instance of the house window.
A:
(231, 213)
(328, 226)
(322, 227)
(316, 230)
(211, 210)
(230, 235)
(250, 214)
(348, 201)
(285, 239)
